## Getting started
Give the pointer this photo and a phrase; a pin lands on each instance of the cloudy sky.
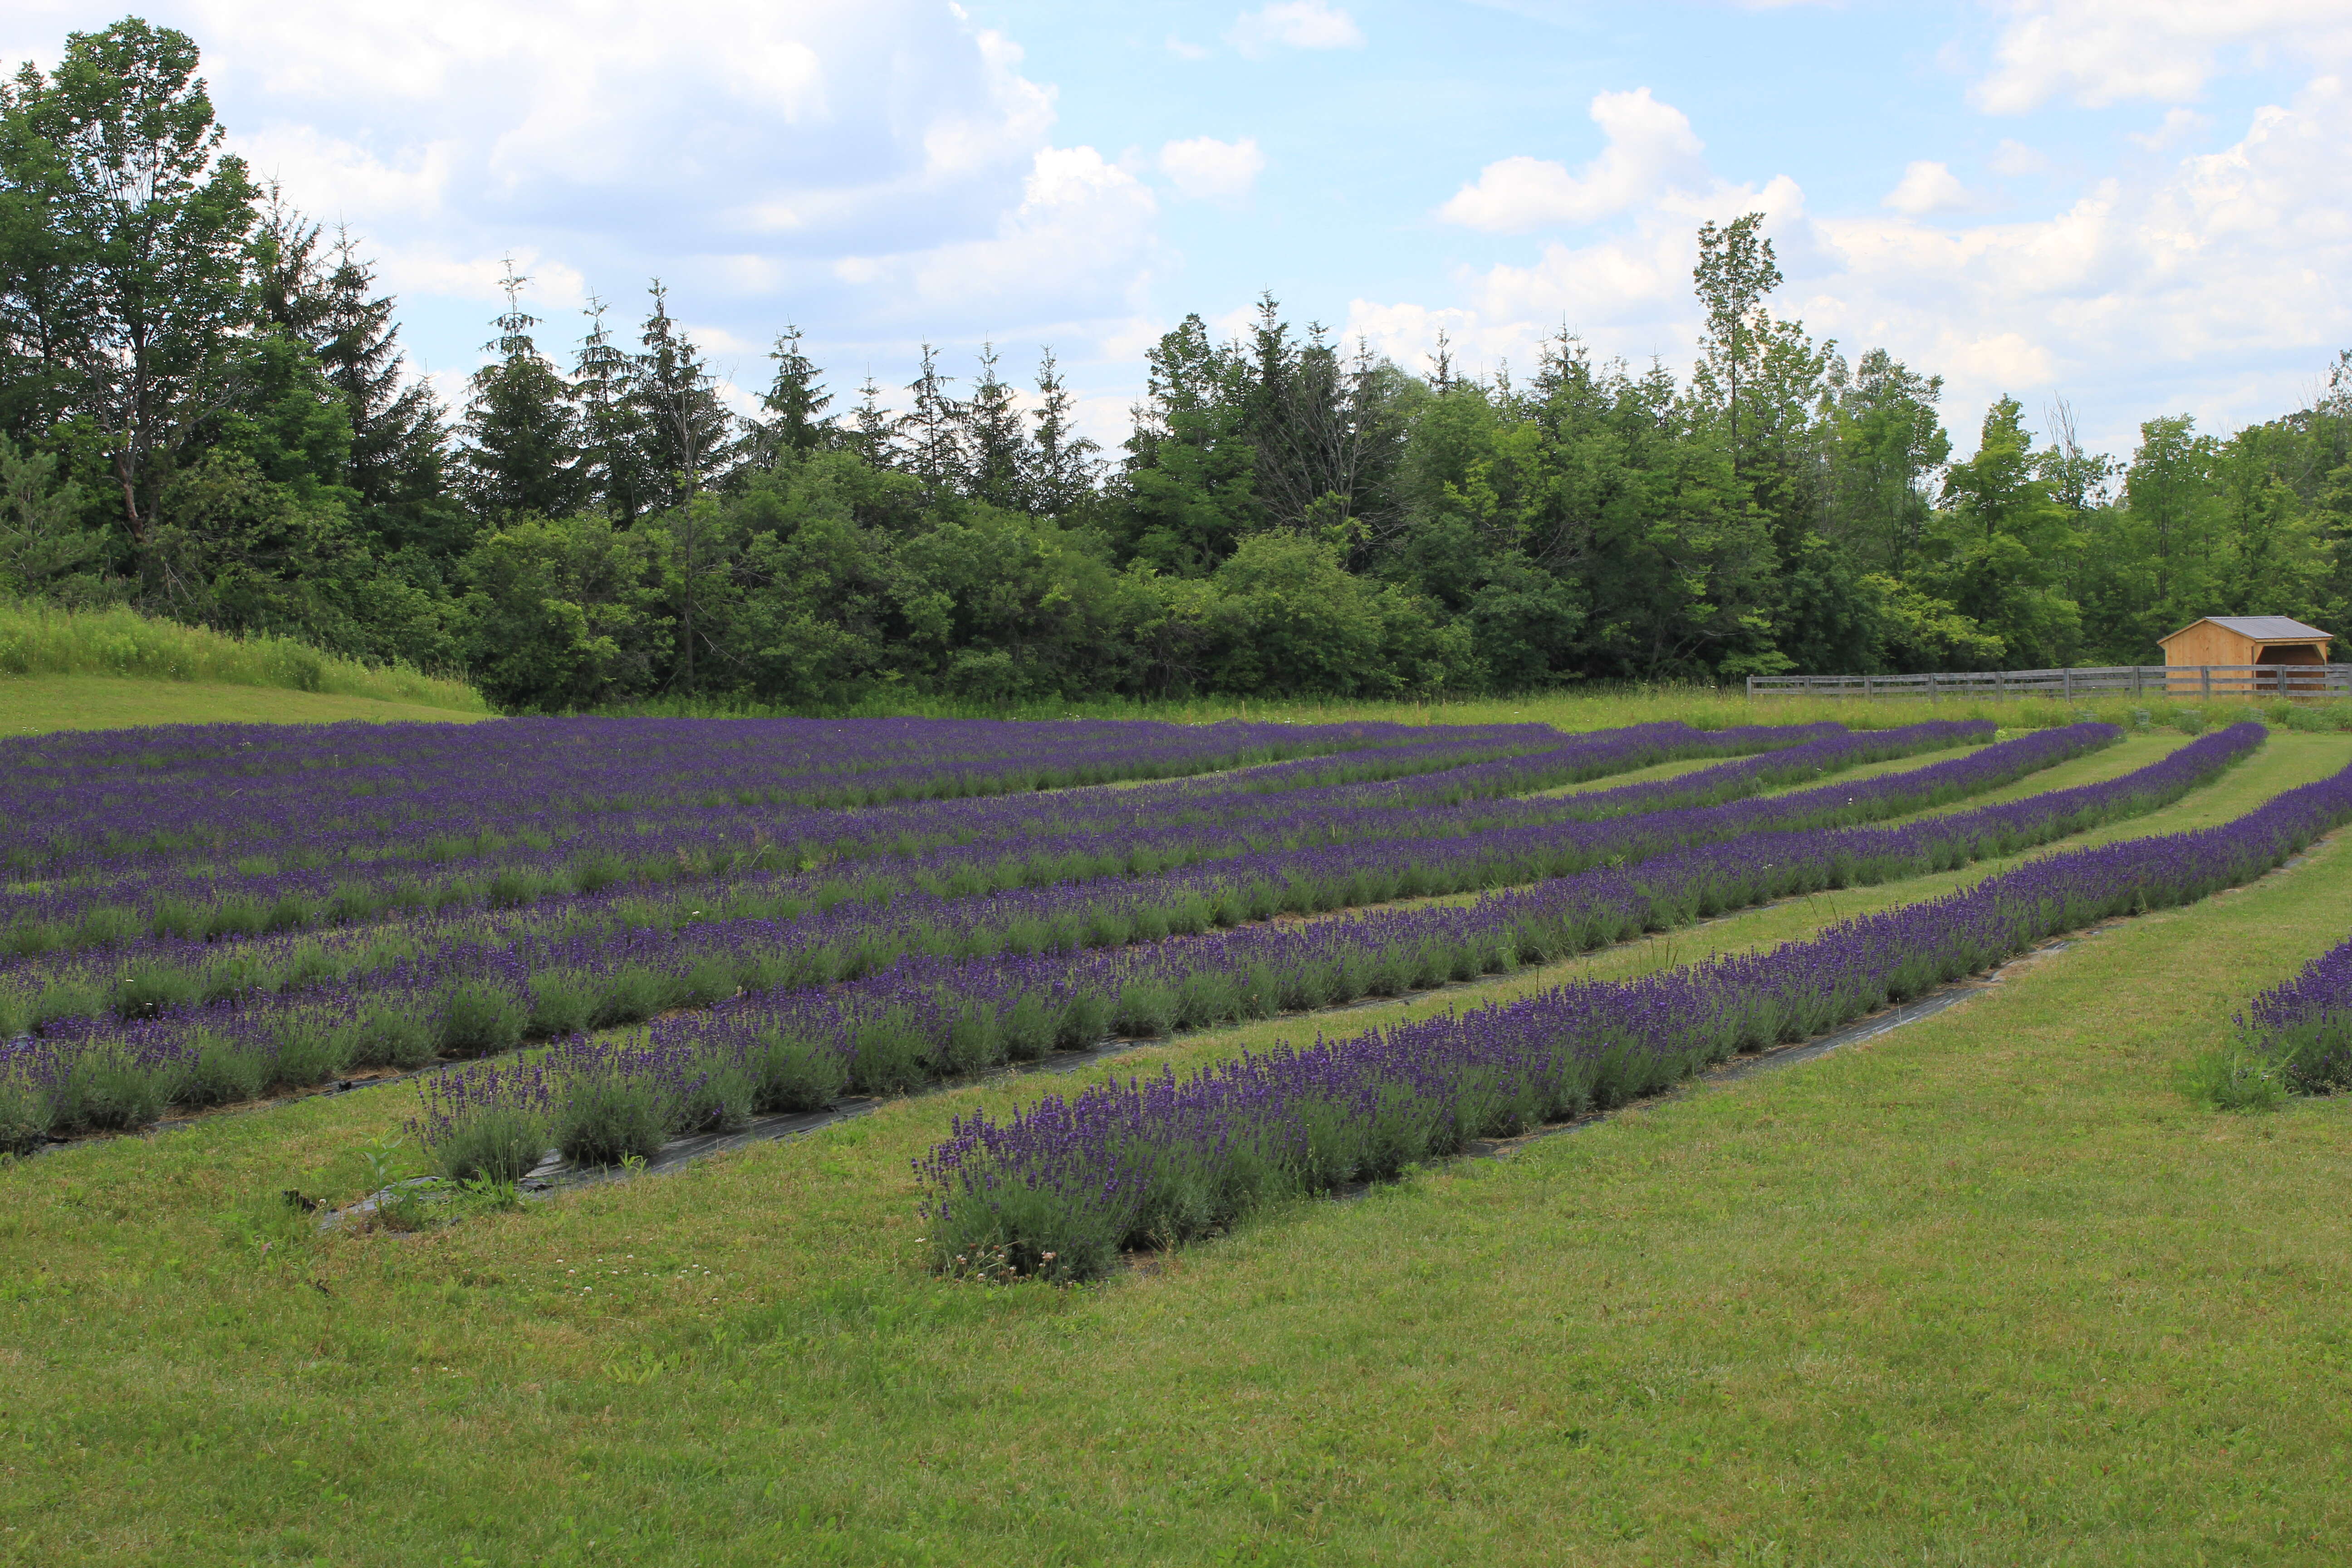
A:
(2144, 207)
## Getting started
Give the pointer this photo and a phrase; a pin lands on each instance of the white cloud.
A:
(1927, 187)
(2208, 283)
(1184, 51)
(1077, 247)
(2178, 125)
(1297, 24)
(336, 177)
(880, 170)
(2098, 52)
(2015, 158)
(1651, 149)
(1205, 168)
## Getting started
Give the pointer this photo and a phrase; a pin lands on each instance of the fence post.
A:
(1999, 684)
(1869, 689)
(2136, 673)
(2066, 682)
(2207, 671)
(1751, 688)
(1931, 686)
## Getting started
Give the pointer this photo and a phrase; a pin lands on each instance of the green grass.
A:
(45, 640)
(38, 704)
(1599, 706)
(1986, 1290)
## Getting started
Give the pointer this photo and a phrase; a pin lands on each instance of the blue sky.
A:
(2143, 206)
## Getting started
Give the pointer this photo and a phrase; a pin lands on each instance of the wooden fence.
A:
(2179, 683)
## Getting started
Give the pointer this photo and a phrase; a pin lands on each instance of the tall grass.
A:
(43, 639)
(1585, 706)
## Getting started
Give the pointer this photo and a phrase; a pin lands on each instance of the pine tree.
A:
(399, 431)
(672, 389)
(934, 453)
(872, 433)
(686, 427)
(292, 287)
(994, 447)
(522, 452)
(794, 404)
(613, 430)
(1061, 462)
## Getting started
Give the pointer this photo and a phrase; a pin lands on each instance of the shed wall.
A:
(2206, 643)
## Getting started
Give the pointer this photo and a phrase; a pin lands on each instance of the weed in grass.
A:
(2234, 1077)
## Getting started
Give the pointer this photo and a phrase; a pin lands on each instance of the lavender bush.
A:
(2295, 1036)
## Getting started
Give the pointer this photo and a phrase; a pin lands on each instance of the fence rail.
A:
(2192, 682)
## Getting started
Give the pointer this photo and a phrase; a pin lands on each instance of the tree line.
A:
(205, 412)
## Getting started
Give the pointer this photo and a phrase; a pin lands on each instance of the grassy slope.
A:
(1984, 1291)
(34, 704)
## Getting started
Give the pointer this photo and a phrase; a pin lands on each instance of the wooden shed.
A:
(2240, 655)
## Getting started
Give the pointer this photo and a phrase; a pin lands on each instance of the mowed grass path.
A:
(1984, 1291)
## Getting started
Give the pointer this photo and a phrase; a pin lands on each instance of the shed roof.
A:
(2260, 628)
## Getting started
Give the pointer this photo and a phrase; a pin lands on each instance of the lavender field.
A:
(600, 935)
(199, 916)
(1072, 1027)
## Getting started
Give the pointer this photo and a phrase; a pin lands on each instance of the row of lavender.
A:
(583, 973)
(73, 803)
(1063, 1186)
(697, 855)
(2302, 1030)
(923, 1019)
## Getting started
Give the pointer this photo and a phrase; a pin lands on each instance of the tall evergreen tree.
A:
(995, 449)
(614, 438)
(1191, 468)
(672, 387)
(795, 405)
(929, 432)
(287, 271)
(872, 434)
(1060, 461)
(522, 431)
(399, 431)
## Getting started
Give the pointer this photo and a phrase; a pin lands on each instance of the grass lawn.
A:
(33, 704)
(1983, 1291)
